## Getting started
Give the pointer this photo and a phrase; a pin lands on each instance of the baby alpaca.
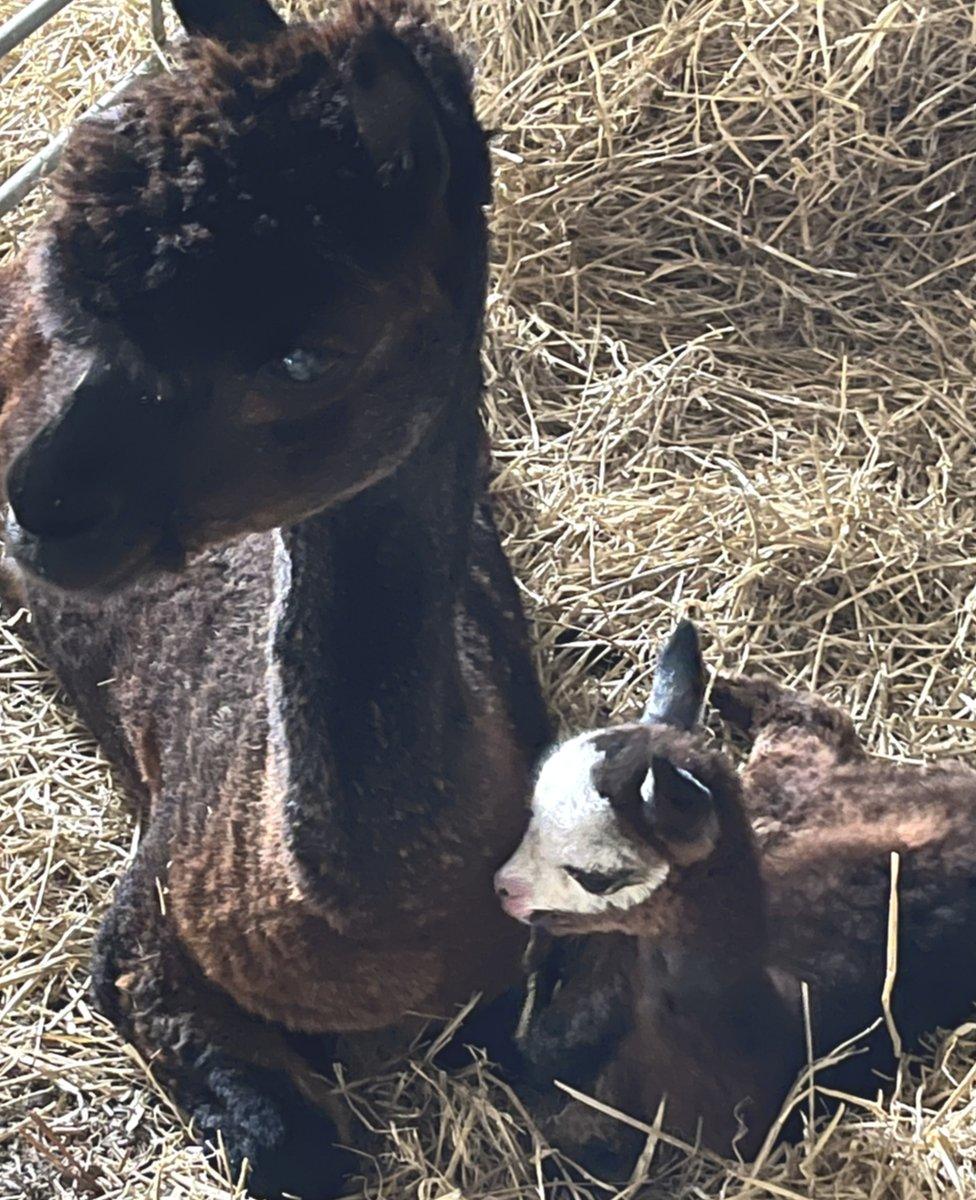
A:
(688, 989)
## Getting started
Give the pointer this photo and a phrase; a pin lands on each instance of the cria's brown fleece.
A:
(695, 998)
(329, 727)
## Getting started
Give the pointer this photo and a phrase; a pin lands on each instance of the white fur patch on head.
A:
(575, 829)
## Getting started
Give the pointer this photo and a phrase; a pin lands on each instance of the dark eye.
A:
(601, 883)
(304, 366)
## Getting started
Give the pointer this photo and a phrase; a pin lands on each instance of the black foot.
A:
(261, 1116)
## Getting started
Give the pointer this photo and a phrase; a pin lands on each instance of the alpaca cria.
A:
(245, 466)
(689, 990)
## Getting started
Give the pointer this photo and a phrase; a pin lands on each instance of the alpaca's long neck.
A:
(713, 935)
(367, 704)
(708, 959)
(716, 1036)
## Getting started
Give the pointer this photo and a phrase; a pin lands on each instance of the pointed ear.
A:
(679, 681)
(396, 115)
(679, 810)
(233, 22)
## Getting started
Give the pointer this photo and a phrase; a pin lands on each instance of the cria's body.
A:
(689, 991)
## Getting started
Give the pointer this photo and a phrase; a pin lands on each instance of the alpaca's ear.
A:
(233, 22)
(679, 681)
(679, 811)
(396, 115)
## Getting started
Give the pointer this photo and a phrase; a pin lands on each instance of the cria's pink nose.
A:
(514, 894)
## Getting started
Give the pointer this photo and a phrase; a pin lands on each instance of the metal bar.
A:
(23, 23)
(24, 179)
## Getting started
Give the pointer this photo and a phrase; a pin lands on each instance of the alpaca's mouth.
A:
(553, 921)
(100, 558)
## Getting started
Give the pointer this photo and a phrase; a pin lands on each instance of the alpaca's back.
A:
(830, 880)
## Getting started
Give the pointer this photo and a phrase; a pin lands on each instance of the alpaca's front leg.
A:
(233, 1074)
(580, 1008)
(579, 1019)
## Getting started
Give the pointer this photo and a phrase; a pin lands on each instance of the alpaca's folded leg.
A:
(578, 1020)
(770, 713)
(237, 1078)
(579, 1009)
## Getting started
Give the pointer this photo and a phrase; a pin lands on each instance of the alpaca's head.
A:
(619, 816)
(261, 284)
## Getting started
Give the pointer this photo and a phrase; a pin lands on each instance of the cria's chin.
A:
(520, 909)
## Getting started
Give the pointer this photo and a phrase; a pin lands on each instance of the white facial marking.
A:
(574, 826)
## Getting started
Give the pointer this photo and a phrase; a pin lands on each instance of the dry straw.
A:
(730, 361)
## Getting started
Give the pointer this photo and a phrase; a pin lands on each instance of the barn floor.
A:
(730, 358)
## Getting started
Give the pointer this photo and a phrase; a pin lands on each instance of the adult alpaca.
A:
(249, 332)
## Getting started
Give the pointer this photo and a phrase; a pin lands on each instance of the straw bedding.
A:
(730, 358)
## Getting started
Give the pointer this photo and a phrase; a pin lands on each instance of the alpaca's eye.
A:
(304, 366)
(601, 883)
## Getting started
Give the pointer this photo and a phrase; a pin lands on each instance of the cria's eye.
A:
(601, 883)
(303, 366)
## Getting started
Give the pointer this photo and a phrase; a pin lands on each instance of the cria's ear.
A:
(679, 681)
(396, 115)
(233, 22)
(679, 811)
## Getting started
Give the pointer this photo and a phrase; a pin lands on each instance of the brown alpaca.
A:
(250, 332)
(690, 989)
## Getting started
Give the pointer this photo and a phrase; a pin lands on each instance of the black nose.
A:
(55, 504)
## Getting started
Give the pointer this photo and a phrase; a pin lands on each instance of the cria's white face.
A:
(576, 856)
(611, 810)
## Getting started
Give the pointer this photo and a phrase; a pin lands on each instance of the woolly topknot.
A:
(215, 201)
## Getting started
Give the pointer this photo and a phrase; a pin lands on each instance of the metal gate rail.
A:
(16, 30)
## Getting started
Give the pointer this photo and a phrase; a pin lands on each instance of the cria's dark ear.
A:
(679, 811)
(233, 22)
(396, 115)
(679, 681)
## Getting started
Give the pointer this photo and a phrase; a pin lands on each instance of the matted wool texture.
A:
(730, 373)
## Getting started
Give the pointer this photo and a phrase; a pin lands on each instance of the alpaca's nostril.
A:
(502, 888)
(515, 896)
(508, 888)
